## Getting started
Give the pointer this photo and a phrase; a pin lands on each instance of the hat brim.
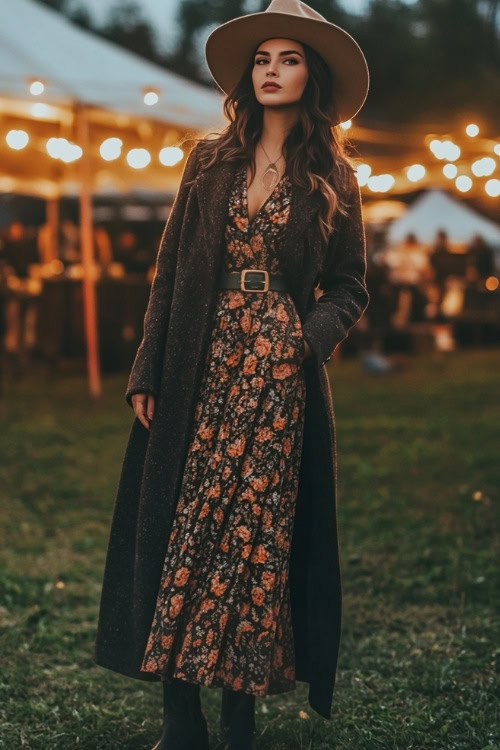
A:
(229, 46)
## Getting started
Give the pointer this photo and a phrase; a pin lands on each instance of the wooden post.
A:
(87, 245)
(53, 223)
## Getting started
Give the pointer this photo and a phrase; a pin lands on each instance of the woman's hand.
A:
(144, 407)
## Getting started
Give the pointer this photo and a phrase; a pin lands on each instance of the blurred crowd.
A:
(413, 282)
(22, 246)
(410, 283)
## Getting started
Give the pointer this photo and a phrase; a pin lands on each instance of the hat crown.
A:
(294, 8)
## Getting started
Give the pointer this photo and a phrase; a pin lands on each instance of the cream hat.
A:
(229, 47)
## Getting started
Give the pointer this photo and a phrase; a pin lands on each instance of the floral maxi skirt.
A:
(222, 615)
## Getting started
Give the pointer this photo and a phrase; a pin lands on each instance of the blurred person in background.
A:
(442, 262)
(409, 270)
(480, 259)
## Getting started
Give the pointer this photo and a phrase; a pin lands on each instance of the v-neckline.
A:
(245, 183)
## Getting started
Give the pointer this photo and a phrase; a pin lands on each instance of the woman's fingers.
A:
(150, 408)
(139, 402)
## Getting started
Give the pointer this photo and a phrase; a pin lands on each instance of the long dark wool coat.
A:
(169, 364)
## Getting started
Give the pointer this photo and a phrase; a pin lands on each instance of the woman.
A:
(222, 565)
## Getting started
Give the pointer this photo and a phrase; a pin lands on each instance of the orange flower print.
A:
(181, 577)
(257, 243)
(176, 605)
(258, 595)
(249, 364)
(260, 483)
(233, 359)
(236, 299)
(214, 491)
(268, 579)
(243, 532)
(279, 422)
(207, 605)
(281, 313)
(259, 555)
(245, 321)
(264, 434)
(248, 494)
(283, 370)
(217, 587)
(237, 448)
(262, 346)
(241, 222)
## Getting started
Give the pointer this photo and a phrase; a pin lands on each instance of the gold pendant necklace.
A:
(271, 175)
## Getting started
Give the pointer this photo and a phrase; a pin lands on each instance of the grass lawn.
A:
(418, 522)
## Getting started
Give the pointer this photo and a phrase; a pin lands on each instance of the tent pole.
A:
(53, 222)
(87, 245)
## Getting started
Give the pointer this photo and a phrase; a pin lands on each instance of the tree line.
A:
(429, 61)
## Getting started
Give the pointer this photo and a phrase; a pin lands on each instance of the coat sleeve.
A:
(343, 281)
(146, 369)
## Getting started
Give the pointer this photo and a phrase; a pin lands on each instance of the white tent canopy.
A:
(436, 210)
(77, 65)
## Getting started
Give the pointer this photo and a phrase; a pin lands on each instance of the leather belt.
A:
(252, 280)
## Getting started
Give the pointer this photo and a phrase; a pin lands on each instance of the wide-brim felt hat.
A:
(230, 45)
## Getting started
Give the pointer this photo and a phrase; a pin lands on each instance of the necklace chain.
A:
(270, 177)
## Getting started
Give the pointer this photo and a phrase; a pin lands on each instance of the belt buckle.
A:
(264, 280)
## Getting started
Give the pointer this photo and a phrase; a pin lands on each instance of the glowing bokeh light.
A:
(17, 139)
(37, 88)
(363, 173)
(483, 167)
(450, 171)
(381, 183)
(111, 148)
(170, 155)
(151, 98)
(492, 188)
(463, 183)
(491, 283)
(138, 158)
(416, 172)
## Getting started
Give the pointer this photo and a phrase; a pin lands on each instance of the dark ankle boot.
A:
(237, 720)
(184, 724)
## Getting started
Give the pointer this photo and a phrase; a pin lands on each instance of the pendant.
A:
(270, 178)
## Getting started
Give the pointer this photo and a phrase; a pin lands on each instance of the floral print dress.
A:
(222, 615)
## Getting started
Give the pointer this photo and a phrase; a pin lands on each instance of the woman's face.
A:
(282, 62)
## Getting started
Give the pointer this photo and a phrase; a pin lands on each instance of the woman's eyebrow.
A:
(286, 52)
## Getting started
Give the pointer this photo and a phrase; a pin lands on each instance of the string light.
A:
(492, 188)
(17, 139)
(111, 148)
(36, 86)
(483, 167)
(138, 158)
(416, 172)
(463, 183)
(450, 171)
(170, 155)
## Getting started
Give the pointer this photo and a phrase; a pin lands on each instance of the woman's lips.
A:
(271, 87)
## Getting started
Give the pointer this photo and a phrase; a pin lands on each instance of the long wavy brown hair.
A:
(314, 150)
